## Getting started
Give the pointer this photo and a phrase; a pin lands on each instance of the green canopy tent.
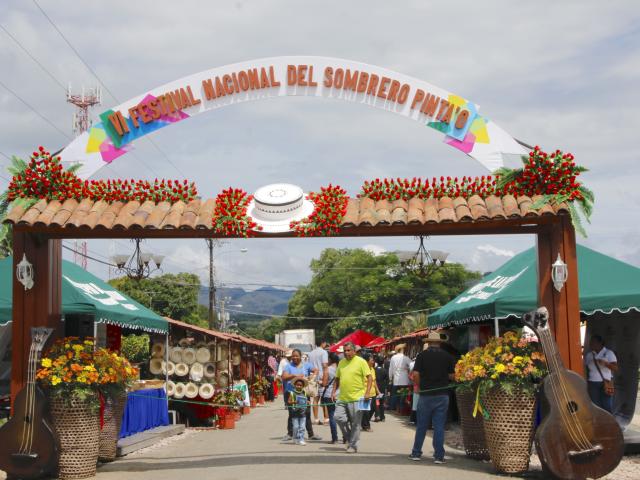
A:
(606, 285)
(84, 293)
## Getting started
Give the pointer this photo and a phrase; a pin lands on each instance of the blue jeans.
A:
(431, 409)
(331, 410)
(298, 428)
(598, 397)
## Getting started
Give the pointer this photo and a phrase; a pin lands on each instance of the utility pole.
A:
(213, 320)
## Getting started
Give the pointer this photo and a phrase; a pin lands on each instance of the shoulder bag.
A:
(609, 389)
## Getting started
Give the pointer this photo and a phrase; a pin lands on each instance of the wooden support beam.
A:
(564, 306)
(39, 306)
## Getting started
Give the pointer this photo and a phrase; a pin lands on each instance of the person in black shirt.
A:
(433, 370)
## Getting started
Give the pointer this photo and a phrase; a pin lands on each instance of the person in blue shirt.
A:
(297, 369)
(298, 406)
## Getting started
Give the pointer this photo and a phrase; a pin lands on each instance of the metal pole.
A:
(166, 364)
(223, 318)
(496, 327)
(212, 288)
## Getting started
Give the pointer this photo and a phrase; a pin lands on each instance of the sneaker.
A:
(351, 449)
(315, 437)
(439, 461)
(302, 442)
(414, 458)
(286, 438)
(332, 442)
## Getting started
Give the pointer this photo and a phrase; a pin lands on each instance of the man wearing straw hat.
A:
(398, 373)
(433, 371)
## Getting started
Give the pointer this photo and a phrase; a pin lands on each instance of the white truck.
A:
(302, 339)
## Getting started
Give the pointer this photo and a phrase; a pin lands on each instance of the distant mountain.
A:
(264, 300)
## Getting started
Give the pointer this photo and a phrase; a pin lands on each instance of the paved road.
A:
(254, 451)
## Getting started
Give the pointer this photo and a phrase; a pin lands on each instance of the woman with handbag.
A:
(325, 395)
(600, 364)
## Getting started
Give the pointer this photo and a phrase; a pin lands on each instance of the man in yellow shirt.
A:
(353, 379)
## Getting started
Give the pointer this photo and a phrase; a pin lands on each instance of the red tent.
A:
(359, 337)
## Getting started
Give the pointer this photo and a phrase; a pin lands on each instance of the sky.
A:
(556, 74)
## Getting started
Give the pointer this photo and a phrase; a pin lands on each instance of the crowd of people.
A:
(351, 388)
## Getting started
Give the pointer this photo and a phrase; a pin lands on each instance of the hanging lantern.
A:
(559, 273)
(24, 273)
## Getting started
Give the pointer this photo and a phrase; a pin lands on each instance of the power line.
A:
(44, 69)
(103, 84)
(89, 256)
(376, 315)
(34, 110)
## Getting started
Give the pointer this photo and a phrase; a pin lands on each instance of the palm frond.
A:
(544, 200)
(74, 168)
(576, 220)
(506, 175)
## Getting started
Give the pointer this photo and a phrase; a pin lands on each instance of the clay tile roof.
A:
(197, 214)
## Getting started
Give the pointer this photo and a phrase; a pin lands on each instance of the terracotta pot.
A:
(254, 403)
(237, 415)
(246, 410)
(261, 399)
(509, 429)
(77, 424)
(228, 422)
(113, 411)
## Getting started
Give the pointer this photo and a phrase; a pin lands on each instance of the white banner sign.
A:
(458, 119)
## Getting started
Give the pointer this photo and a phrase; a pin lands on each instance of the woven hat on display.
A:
(209, 370)
(184, 342)
(178, 391)
(201, 344)
(157, 350)
(223, 352)
(222, 364)
(170, 388)
(168, 368)
(156, 366)
(203, 355)
(435, 337)
(175, 354)
(213, 351)
(223, 379)
(206, 391)
(197, 372)
(181, 369)
(189, 356)
(275, 206)
(191, 390)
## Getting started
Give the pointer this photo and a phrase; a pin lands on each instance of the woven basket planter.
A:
(77, 424)
(473, 437)
(509, 429)
(113, 411)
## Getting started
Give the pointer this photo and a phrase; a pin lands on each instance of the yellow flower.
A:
(46, 362)
(78, 348)
(55, 380)
(498, 351)
(500, 368)
(517, 360)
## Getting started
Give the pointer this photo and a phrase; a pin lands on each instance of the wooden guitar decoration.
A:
(29, 448)
(576, 439)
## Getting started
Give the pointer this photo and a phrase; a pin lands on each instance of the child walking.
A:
(298, 403)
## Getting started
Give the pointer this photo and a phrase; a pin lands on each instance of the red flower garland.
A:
(330, 208)
(398, 188)
(45, 179)
(230, 215)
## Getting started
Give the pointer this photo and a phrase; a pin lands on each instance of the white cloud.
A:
(495, 251)
(374, 249)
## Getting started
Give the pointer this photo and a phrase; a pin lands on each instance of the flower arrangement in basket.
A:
(509, 362)
(117, 373)
(505, 373)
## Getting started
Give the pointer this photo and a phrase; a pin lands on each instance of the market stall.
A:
(609, 292)
(359, 337)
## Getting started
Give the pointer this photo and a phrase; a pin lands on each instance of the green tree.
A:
(170, 295)
(362, 290)
(135, 348)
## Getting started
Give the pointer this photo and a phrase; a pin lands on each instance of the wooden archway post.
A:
(40, 306)
(564, 306)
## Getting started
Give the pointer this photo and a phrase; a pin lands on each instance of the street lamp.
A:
(139, 264)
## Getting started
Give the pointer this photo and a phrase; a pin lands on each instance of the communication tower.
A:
(83, 101)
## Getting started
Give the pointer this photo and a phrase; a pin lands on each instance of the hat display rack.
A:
(193, 368)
